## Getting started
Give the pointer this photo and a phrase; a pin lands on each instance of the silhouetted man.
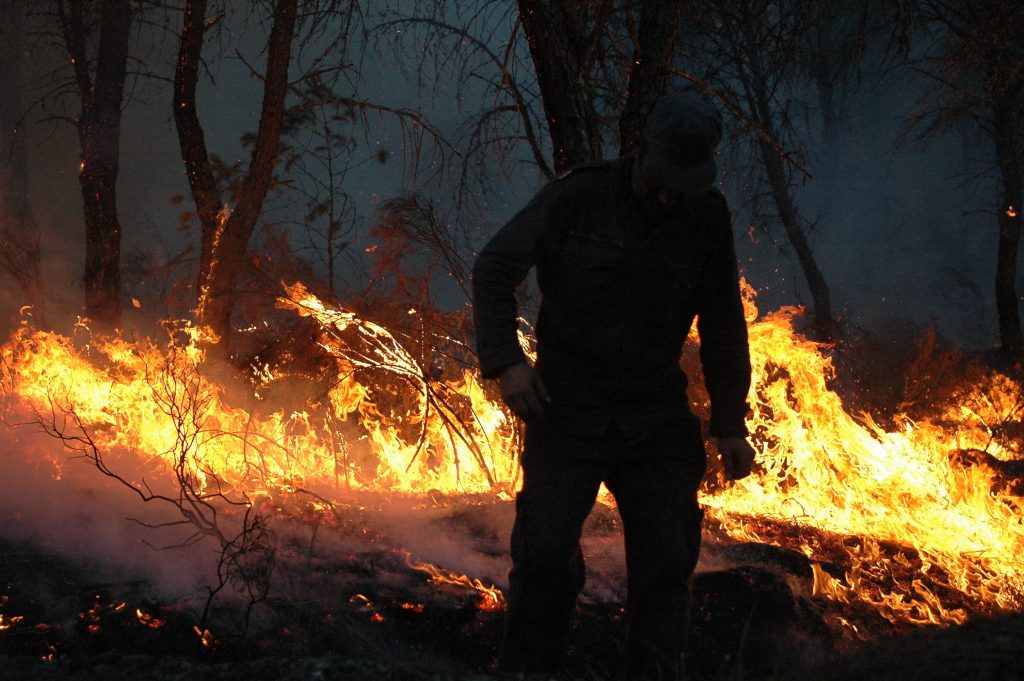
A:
(627, 253)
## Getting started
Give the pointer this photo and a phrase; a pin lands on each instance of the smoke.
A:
(65, 507)
(900, 225)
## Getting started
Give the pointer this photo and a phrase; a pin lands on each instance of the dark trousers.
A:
(655, 487)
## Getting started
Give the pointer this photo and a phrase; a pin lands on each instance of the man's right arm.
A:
(499, 269)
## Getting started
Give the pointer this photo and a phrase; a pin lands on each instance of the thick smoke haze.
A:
(63, 505)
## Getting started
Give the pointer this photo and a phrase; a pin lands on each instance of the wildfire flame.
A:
(921, 539)
(823, 468)
(491, 597)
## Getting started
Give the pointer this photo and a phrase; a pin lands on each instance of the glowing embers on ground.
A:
(490, 597)
(918, 537)
(7, 621)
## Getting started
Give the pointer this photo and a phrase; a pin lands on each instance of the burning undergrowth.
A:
(367, 515)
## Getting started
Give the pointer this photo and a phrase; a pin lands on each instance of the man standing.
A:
(627, 253)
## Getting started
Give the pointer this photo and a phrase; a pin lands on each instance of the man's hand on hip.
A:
(737, 456)
(523, 391)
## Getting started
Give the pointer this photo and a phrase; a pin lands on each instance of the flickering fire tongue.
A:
(825, 469)
(921, 539)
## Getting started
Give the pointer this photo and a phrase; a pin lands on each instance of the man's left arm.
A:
(724, 350)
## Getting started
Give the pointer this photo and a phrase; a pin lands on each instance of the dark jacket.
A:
(620, 289)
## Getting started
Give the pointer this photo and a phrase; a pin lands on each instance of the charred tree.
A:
(753, 48)
(598, 66)
(226, 229)
(975, 55)
(1006, 117)
(760, 107)
(564, 38)
(19, 232)
(572, 41)
(649, 72)
(191, 139)
(756, 80)
(101, 93)
(1004, 62)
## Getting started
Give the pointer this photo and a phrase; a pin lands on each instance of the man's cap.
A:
(681, 133)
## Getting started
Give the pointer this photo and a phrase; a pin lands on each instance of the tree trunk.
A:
(226, 234)
(1009, 214)
(755, 85)
(191, 139)
(99, 132)
(19, 232)
(562, 51)
(790, 219)
(649, 71)
(333, 220)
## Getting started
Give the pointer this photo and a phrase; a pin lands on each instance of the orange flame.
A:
(822, 468)
(491, 597)
(823, 472)
(6, 622)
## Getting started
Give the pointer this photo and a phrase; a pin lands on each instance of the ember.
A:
(92, 619)
(149, 620)
(491, 598)
(6, 622)
(375, 616)
(206, 638)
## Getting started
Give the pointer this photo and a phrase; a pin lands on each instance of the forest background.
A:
(861, 161)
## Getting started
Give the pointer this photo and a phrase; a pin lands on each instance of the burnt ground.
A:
(982, 650)
(62, 623)
(59, 622)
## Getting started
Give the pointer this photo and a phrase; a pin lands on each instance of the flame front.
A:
(824, 469)
(154, 401)
(921, 538)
